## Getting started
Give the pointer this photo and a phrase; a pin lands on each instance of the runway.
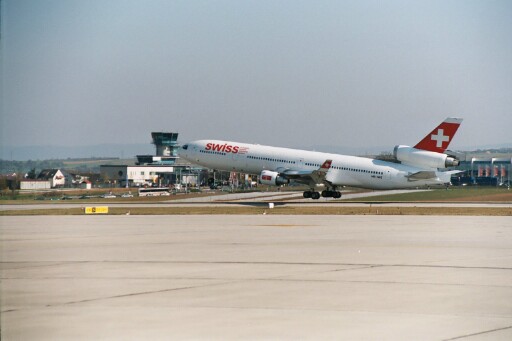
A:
(291, 199)
(256, 277)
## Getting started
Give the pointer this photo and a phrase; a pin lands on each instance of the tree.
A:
(32, 174)
(3, 183)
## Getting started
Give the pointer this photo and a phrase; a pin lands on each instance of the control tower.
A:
(166, 143)
(166, 150)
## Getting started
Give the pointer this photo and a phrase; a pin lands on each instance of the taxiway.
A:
(256, 277)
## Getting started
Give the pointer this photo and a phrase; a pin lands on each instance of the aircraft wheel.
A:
(328, 194)
(315, 195)
(307, 194)
(337, 195)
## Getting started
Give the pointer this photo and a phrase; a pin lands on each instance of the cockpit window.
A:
(185, 147)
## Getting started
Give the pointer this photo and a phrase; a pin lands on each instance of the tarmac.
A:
(256, 277)
(285, 198)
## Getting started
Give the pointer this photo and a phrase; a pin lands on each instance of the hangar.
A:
(494, 171)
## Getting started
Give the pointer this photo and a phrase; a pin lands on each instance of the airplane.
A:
(424, 164)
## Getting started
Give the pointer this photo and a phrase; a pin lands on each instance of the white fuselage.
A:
(345, 170)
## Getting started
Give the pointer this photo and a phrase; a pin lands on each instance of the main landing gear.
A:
(311, 194)
(325, 194)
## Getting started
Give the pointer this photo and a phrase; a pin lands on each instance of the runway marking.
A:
(480, 333)
(261, 263)
(236, 280)
(373, 282)
(127, 295)
(228, 281)
(283, 225)
(358, 268)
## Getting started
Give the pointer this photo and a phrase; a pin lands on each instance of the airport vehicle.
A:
(154, 192)
(422, 165)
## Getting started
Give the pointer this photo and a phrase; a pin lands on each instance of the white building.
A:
(31, 184)
(55, 176)
(86, 184)
(135, 175)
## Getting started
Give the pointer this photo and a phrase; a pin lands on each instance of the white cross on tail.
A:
(440, 138)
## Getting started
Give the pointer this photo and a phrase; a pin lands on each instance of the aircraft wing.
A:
(311, 178)
(422, 175)
(426, 175)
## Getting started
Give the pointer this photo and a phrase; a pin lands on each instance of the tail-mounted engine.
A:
(422, 158)
(272, 178)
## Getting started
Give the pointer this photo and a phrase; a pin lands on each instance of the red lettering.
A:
(227, 148)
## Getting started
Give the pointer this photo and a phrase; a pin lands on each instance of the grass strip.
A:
(438, 211)
(441, 195)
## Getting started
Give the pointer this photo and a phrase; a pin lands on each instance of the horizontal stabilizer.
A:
(422, 175)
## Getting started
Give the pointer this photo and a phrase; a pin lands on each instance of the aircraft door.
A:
(236, 164)
(195, 152)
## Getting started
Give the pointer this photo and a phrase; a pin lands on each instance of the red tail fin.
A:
(439, 139)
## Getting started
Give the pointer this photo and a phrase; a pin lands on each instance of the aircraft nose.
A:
(183, 150)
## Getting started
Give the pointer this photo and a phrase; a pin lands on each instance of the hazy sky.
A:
(288, 73)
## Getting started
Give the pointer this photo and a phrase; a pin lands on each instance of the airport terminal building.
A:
(165, 168)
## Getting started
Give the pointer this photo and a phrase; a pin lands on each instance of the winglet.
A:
(326, 165)
(439, 139)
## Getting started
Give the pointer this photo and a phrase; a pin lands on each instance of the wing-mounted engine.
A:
(272, 178)
(422, 158)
